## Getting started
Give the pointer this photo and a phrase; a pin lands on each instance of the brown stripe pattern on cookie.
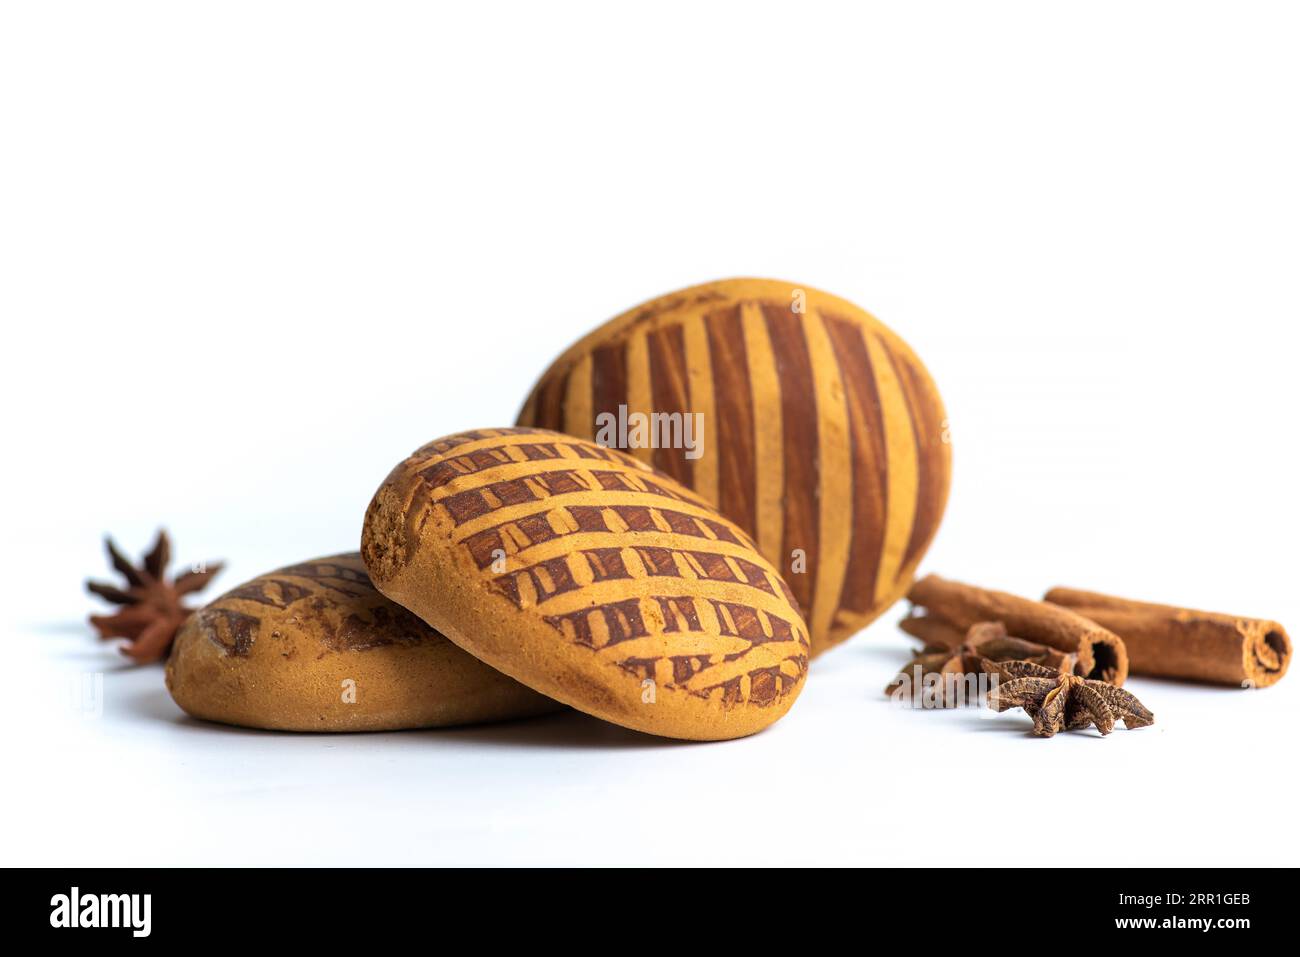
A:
(824, 437)
(316, 647)
(614, 557)
(331, 598)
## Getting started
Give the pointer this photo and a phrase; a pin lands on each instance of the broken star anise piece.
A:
(984, 642)
(152, 609)
(1058, 700)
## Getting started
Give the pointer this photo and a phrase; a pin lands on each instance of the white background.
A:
(251, 254)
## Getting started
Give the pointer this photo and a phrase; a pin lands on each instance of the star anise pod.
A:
(984, 642)
(1058, 700)
(152, 609)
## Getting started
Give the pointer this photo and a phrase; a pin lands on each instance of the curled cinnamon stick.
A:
(989, 638)
(947, 675)
(933, 631)
(1171, 642)
(1101, 654)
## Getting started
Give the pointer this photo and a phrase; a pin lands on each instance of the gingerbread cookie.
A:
(314, 647)
(592, 578)
(797, 414)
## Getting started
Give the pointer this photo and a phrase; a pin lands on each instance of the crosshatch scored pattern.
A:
(334, 594)
(616, 559)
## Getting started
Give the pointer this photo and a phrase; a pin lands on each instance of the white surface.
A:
(251, 255)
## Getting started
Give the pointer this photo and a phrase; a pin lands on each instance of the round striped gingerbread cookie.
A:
(314, 647)
(797, 414)
(592, 578)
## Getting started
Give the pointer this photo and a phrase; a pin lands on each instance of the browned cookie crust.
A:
(315, 647)
(824, 436)
(592, 578)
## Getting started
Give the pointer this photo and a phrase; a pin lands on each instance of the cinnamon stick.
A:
(1172, 642)
(1100, 654)
(934, 632)
(942, 674)
(990, 638)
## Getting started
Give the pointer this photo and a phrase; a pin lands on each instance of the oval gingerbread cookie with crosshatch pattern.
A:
(314, 647)
(820, 433)
(592, 578)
